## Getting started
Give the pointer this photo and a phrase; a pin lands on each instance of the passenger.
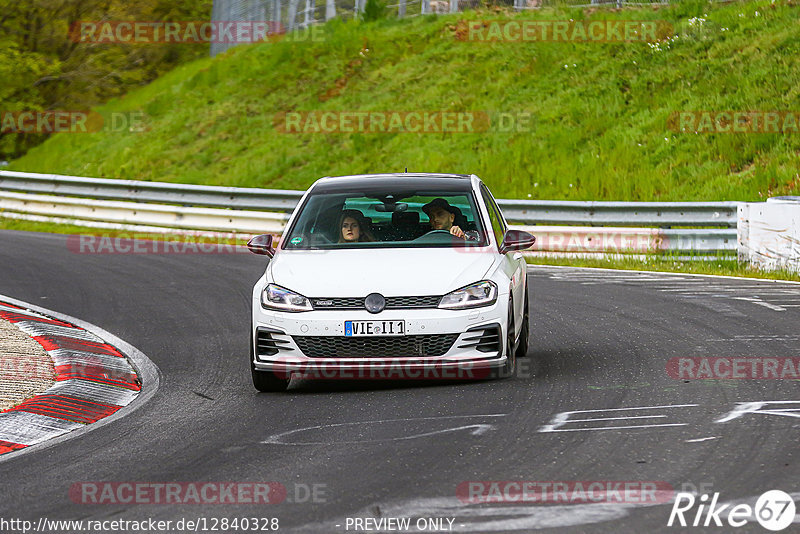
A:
(443, 215)
(354, 228)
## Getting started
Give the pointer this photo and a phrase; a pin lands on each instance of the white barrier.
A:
(769, 233)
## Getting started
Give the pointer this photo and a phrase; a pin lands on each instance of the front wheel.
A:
(507, 370)
(265, 381)
(522, 348)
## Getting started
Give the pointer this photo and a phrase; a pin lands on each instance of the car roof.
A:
(402, 180)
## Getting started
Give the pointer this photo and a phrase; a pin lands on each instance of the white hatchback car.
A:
(391, 276)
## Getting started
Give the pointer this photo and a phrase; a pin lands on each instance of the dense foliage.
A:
(42, 68)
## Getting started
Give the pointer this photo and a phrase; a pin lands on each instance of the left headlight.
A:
(472, 296)
(276, 297)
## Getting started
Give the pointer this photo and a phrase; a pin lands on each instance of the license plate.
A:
(374, 328)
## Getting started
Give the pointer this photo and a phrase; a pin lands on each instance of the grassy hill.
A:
(600, 111)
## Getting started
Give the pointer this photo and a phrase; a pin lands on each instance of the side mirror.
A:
(261, 244)
(516, 240)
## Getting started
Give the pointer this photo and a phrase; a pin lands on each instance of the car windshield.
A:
(387, 218)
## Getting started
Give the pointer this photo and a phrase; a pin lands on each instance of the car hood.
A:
(390, 272)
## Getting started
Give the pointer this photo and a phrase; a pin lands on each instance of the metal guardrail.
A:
(153, 215)
(598, 226)
(159, 192)
(591, 213)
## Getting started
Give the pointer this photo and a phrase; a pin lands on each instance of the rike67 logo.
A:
(774, 510)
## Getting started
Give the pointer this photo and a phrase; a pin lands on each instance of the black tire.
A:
(507, 370)
(522, 348)
(265, 381)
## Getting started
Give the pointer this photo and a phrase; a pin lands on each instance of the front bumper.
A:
(461, 360)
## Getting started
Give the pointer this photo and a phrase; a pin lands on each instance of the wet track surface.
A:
(601, 341)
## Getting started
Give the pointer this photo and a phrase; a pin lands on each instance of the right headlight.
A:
(476, 295)
(276, 297)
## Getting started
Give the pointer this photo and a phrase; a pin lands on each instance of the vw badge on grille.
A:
(374, 303)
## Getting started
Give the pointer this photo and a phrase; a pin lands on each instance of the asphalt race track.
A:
(601, 341)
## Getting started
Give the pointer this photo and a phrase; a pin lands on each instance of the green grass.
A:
(600, 128)
(52, 228)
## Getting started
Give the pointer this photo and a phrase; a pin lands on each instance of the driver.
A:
(442, 216)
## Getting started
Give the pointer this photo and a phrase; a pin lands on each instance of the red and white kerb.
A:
(93, 381)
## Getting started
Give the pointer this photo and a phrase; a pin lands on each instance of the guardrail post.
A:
(401, 9)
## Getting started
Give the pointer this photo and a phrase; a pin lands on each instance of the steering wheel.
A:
(433, 236)
(436, 231)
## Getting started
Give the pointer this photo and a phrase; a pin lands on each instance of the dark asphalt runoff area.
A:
(600, 345)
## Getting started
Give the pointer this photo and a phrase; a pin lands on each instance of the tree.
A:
(43, 68)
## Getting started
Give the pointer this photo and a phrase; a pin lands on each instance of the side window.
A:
(494, 216)
(499, 213)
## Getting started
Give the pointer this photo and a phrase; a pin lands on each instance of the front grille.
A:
(268, 345)
(412, 302)
(392, 303)
(337, 303)
(483, 339)
(375, 347)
